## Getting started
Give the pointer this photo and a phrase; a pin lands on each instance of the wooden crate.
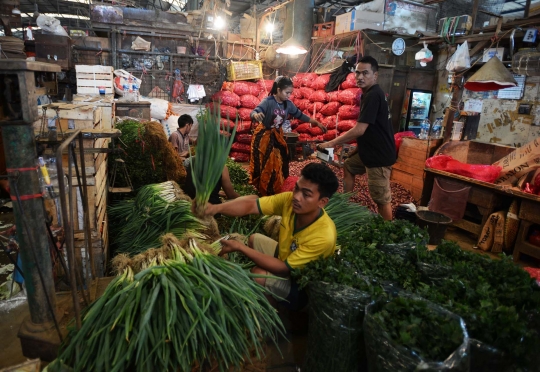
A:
(106, 102)
(91, 78)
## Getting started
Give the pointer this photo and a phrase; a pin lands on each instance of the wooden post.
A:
(474, 13)
(527, 8)
(450, 113)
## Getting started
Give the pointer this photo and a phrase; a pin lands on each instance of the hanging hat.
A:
(492, 76)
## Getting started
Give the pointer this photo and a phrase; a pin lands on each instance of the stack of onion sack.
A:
(337, 110)
(237, 100)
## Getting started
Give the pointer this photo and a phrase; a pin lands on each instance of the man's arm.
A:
(358, 130)
(238, 207)
(227, 185)
(271, 264)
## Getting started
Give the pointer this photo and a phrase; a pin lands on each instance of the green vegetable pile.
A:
(240, 178)
(419, 327)
(176, 314)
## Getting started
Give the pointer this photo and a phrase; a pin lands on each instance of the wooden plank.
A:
(107, 117)
(483, 198)
(416, 193)
(413, 153)
(87, 90)
(74, 111)
(418, 182)
(414, 169)
(530, 211)
(469, 226)
(403, 178)
(94, 68)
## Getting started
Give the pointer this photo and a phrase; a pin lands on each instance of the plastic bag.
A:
(249, 101)
(385, 355)
(122, 77)
(460, 60)
(158, 108)
(486, 173)
(485, 358)
(349, 112)
(350, 96)
(330, 109)
(335, 334)
(319, 96)
(226, 97)
(50, 25)
(398, 138)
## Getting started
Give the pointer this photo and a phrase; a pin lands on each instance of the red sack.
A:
(289, 184)
(345, 125)
(308, 79)
(303, 104)
(330, 108)
(261, 96)
(265, 85)
(330, 135)
(239, 157)
(350, 96)
(241, 88)
(306, 92)
(296, 94)
(228, 112)
(315, 131)
(314, 108)
(255, 89)
(330, 122)
(295, 123)
(398, 138)
(303, 128)
(317, 138)
(225, 97)
(486, 173)
(350, 82)
(244, 138)
(319, 96)
(226, 124)
(348, 112)
(243, 127)
(333, 97)
(298, 79)
(320, 82)
(303, 137)
(244, 113)
(241, 147)
(249, 101)
(319, 117)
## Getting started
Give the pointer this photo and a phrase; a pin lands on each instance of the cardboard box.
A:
(356, 20)
(248, 28)
(492, 52)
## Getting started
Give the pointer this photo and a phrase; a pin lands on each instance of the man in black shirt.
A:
(375, 152)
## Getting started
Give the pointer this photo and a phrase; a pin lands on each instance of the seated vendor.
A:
(306, 232)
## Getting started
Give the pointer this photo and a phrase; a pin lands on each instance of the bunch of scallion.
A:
(346, 214)
(193, 310)
(138, 224)
(212, 153)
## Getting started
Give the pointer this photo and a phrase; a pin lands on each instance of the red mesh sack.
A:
(319, 117)
(345, 125)
(314, 107)
(298, 79)
(330, 108)
(244, 113)
(330, 122)
(349, 82)
(306, 92)
(265, 85)
(303, 137)
(333, 97)
(315, 131)
(303, 128)
(486, 173)
(302, 104)
(261, 96)
(255, 89)
(228, 112)
(226, 98)
(226, 124)
(319, 96)
(308, 79)
(321, 81)
(289, 184)
(227, 85)
(249, 101)
(350, 96)
(317, 138)
(330, 135)
(295, 123)
(244, 138)
(398, 138)
(241, 88)
(296, 94)
(349, 112)
(244, 126)
(241, 147)
(239, 157)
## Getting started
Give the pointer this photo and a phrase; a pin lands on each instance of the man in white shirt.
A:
(180, 138)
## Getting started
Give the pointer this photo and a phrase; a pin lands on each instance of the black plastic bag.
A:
(486, 358)
(335, 335)
(384, 355)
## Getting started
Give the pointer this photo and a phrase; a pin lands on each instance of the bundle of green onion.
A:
(212, 153)
(155, 211)
(194, 309)
(346, 214)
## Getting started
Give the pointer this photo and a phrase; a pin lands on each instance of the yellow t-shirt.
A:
(297, 248)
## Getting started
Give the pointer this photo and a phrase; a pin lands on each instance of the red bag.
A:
(241, 147)
(350, 82)
(314, 107)
(398, 138)
(228, 112)
(486, 173)
(296, 94)
(303, 137)
(303, 104)
(295, 123)
(265, 85)
(346, 125)
(261, 96)
(350, 96)
(320, 82)
(330, 135)
(289, 184)
(319, 96)
(315, 131)
(226, 124)
(303, 128)
(330, 122)
(330, 108)
(225, 97)
(298, 79)
(317, 138)
(308, 79)
(349, 112)
(239, 157)
(241, 88)
(319, 117)
(243, 127)
(249, 101)
(244, 138)
(255, 89)
(333, 97)
(244, 113)
(306, 92)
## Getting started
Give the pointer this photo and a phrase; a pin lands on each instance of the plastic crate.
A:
(244, 70)
(323, 29)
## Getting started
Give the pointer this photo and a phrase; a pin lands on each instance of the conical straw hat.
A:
(492, 76)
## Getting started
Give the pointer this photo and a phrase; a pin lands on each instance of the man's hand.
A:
(258, 117)
(324, 145)
(229, 246)
(208, 210)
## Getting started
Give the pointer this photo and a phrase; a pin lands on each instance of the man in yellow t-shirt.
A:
(306, 231)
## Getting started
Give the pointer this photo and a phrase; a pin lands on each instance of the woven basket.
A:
(511, 226)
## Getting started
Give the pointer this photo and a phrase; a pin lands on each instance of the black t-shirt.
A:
(376, 147)
(189, 187)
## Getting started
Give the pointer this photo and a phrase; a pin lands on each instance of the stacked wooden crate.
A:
(409, 168)
(94, 79)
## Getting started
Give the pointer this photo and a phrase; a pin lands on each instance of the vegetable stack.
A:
(194, 309)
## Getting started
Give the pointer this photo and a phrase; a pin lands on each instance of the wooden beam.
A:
(474, 12)
(478, 47)
(527, 8)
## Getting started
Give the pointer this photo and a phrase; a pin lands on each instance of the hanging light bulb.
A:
(16, 11)
(219, 23)
(269, 27)
(291, 46)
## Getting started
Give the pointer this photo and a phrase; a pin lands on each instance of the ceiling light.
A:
(291, 47)
(269, 27)
(492, 76)
(16, 11)
(219, 23)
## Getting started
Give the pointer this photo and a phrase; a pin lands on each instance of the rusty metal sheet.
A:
(107, 14)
